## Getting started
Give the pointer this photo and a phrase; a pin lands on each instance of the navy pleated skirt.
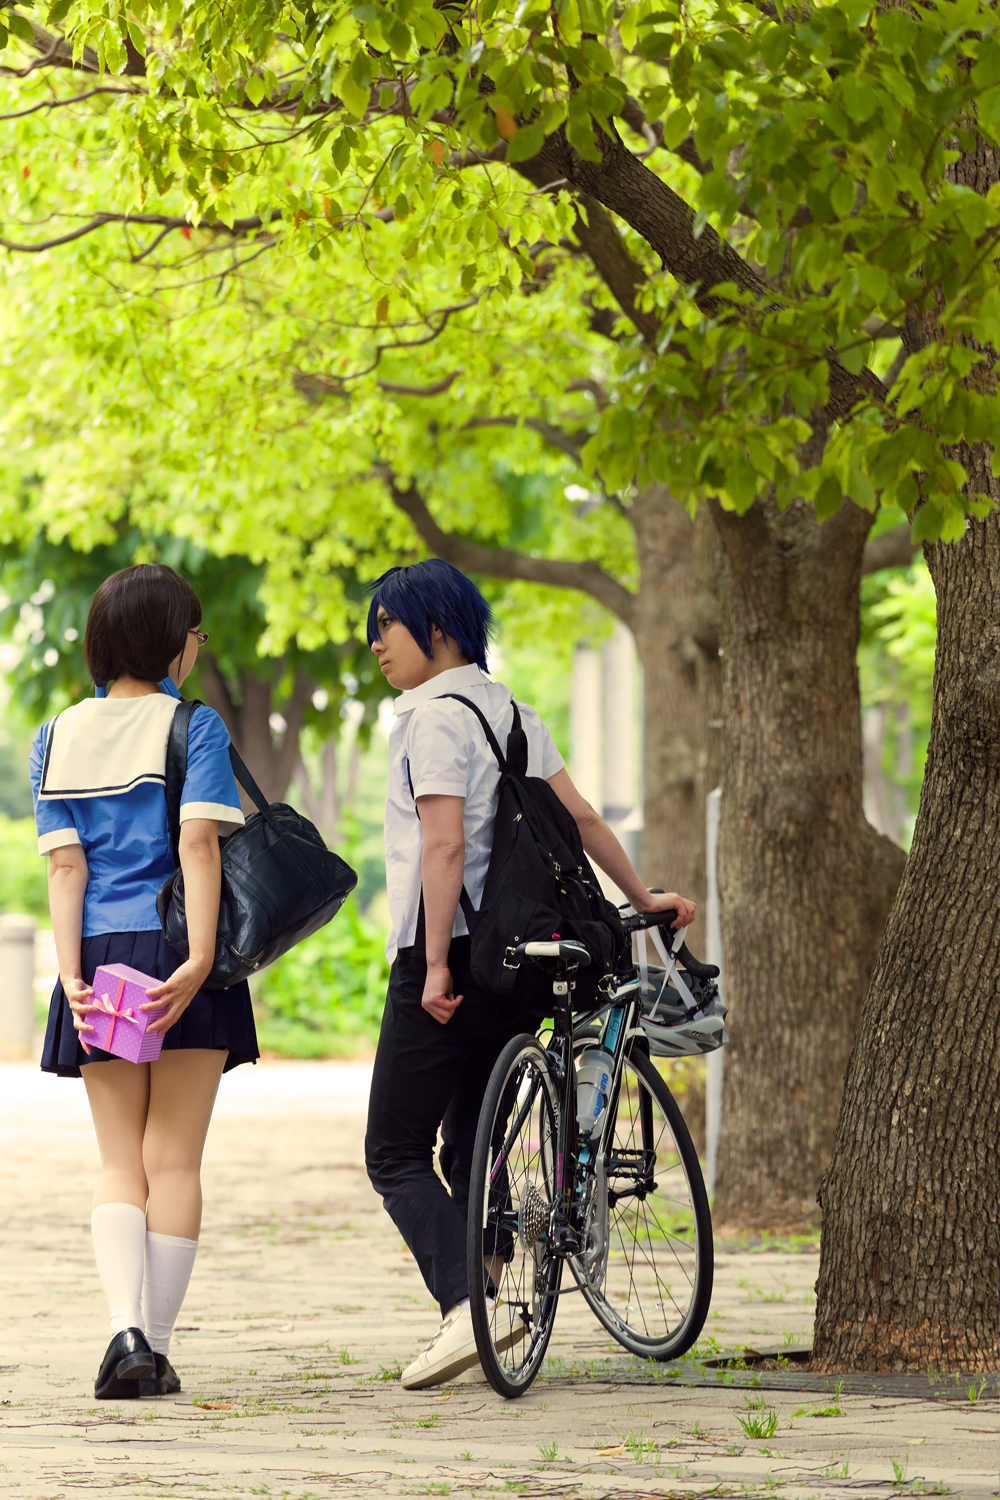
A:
(216, 1019)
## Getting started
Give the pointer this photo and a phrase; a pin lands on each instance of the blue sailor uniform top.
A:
(98, 778)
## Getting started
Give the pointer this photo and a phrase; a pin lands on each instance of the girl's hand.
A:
(178, 991)
(79, 995)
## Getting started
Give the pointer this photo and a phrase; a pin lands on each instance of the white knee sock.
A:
(169, 1263)
(119, 1231)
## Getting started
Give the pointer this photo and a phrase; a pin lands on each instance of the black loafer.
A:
(167, 1382)
(128, 1360)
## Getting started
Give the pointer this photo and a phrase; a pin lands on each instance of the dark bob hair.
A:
(432, 593)
(138, 623)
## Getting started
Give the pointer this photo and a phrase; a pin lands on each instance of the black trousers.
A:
(424, 1072)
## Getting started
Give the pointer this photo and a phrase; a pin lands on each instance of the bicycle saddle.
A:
(563, 948)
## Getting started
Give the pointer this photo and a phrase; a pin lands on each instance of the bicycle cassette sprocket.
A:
(532, 1217)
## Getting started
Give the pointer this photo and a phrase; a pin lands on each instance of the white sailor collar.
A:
(103, 747)
(455, 680)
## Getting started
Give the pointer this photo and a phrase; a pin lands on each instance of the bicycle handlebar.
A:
(641, 920)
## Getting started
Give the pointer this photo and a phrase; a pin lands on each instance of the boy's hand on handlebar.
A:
(438, 998)
(670, 901)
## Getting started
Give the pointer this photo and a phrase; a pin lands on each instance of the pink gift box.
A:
(119, 1025)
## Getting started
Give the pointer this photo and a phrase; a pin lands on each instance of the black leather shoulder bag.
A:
(280, 883)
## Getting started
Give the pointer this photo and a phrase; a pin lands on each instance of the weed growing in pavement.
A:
(974, 1391)
(347, 1358)
(548, 1450)
(430, 1421)
(764, 1425)
(815, 1411)
(432, 1489)
(832, 1472)
(734, 1450)
(640, 1446)
(386, 1372)
(789, 1337)
(757, 1294)
(900, 1470)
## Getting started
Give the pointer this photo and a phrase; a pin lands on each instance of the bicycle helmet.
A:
(671, 1028)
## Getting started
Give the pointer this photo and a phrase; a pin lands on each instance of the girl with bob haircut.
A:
(98, 776)
(428, 626)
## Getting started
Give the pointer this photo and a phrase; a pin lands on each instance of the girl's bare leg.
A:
(118, 1092)
(182, 1092)
(182, 1089)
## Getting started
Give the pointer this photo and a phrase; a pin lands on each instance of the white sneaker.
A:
(452, 1350)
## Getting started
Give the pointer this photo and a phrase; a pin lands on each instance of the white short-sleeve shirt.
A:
(440, 746)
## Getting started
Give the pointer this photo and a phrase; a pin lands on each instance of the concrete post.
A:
(713, 955)
(585, 725)
(17, 985)
(618, 773)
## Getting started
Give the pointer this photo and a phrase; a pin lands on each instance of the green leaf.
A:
(580, 134)
(255, 88)
(527, 142)
(829, 498)
(20, 26)
(926, 524)
(676, 127)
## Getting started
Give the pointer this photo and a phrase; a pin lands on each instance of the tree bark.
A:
(805, 882)
(664, 618)
(245, 708)
(908, 1275)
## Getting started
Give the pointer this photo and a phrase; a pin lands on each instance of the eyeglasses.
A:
(202, 636)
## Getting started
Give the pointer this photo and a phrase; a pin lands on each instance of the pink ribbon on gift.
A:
(104, 1003)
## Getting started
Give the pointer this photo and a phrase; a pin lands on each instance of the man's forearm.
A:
(442, 869)
(604, 849)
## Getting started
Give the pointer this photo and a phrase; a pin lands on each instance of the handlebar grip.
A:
(650, 919)
(695, 966)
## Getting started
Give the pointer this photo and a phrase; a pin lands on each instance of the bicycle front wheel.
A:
(513, 1277)
(649, 1262)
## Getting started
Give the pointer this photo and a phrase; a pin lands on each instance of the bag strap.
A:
(176, 771)
(490, 736)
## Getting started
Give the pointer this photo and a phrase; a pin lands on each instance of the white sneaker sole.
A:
(459, 1362)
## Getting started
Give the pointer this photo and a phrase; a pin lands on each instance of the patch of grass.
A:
(548, 1450)
(640, 1446)
(833, 1472)
(431, 1421)
(976, 1389)
(900, 1469)
(347, 1358)
(760, 1425)
(388, 1372)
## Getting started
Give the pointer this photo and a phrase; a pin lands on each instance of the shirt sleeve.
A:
(437, 749)
(53, 819)
(210, 786)
(544, 744)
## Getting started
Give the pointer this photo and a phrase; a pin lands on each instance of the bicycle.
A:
(604, 1177)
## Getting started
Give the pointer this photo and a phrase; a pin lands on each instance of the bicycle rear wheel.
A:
(648, 1268)
(513, 1278)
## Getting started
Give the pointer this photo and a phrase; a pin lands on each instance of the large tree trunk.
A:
(674, 760)
(806, 883)
(908, 1276)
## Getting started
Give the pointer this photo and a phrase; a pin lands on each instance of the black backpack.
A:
(280, 883)
(539, 884)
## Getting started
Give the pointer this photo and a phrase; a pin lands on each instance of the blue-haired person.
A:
(428, 627)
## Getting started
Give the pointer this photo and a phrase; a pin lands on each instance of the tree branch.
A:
(239, 227)
(628, 188)
(893, 549)
(502, 562)
(569, 443)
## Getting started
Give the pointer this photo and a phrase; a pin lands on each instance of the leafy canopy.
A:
(820, 148)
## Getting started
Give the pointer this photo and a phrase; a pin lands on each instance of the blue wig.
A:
(433, 593)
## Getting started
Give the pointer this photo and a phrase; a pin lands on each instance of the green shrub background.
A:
(325, 997)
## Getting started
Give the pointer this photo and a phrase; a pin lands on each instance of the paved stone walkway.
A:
(304, 1300)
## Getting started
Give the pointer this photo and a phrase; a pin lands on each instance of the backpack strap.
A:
(176, 771)
(464, 899)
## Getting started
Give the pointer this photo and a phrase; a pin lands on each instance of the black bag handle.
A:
(176, 770)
